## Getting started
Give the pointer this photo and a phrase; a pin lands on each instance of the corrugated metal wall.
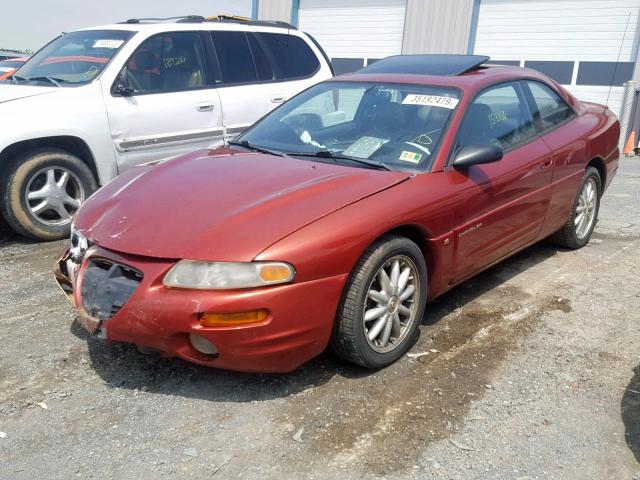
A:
(437, 26)
(274, 10)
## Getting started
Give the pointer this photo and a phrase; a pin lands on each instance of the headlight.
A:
(227, 275)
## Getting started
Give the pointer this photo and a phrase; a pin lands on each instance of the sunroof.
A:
(427, 64)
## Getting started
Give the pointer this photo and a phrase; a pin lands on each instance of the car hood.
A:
(221, 205)
(10, 92)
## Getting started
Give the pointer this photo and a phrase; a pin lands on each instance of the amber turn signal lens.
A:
(230, 319)
(275, 273)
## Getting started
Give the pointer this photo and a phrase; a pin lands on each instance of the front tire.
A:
(383, 303)
(42, 189)
(576, 233)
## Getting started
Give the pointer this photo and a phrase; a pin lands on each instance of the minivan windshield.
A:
(363, 124)
(73, 58)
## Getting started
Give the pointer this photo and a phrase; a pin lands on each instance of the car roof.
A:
(473, 78)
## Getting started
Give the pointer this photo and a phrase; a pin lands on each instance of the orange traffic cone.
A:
(631, 141)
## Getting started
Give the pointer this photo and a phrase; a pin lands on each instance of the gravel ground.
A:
(530, 371)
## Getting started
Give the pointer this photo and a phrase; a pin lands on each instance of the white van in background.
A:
(96, 101)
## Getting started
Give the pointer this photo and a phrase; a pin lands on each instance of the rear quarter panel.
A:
(592, 134)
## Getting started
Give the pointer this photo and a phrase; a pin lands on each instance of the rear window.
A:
(292, 56)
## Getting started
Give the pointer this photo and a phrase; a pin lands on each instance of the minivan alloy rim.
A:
(586, 209)
(390, 308)
(53, 194)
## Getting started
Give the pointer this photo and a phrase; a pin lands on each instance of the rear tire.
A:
(42, 189)
(576, 233)
(377, 324)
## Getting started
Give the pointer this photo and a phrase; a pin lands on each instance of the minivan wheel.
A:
(379, 316)
(576, 233)
(42, 189)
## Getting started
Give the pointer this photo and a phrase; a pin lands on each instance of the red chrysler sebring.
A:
(334, 219)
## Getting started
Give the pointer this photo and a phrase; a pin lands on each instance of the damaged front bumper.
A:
(121, 297)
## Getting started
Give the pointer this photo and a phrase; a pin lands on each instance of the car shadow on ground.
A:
(630, 412)
(122, 366)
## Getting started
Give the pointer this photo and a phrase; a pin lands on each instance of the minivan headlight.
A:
(227, 275)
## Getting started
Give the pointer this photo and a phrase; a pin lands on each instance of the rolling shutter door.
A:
(354, 32)
(588, 46)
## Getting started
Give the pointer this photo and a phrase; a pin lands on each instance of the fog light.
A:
(230, 319)
(202, 345)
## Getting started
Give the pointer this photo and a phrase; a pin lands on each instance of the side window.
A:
(291, 54)
(166, 63)
(551, 109)
(262, 63)
(499, 116)
(234, 55)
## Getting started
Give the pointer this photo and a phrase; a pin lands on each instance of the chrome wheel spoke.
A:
(404, 278)
(374, 313)
(40, 207)
(397, 326)
(402, 310)
(379, 297)
(386, 333)
(377, 327)
(407, 293)
(51, 178)
(395, 276)
(62, 181)
(385, 282)
(72, 202)
(62, 212)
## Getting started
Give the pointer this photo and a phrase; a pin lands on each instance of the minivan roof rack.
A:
(216, 18)
(187, 18)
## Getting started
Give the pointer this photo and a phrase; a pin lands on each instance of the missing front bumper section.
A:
(106, 286)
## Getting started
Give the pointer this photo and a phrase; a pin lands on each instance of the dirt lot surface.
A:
(530, 371)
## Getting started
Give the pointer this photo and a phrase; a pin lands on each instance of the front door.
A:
(504, 202)
(167, 104)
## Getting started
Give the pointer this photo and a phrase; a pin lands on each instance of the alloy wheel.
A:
(391, 305)
(53, 194)
(586, 208)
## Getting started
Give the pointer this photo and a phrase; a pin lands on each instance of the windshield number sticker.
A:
(412, 157)
(431, 101)
(113, 44)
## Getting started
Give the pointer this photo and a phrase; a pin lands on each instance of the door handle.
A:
(278, 98)
(204, 107)
(546, 164)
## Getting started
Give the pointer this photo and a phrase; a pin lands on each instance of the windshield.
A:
(395, 125)
(74, 58)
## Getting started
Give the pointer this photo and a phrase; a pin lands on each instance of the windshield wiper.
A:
(334, 156)
(15, 78)
(251, 146)
(51, 80)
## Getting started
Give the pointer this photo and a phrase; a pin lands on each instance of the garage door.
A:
(354, 32)
(587, 45)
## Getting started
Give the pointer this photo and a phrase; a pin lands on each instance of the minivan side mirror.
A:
(477, 155)
(122, 90)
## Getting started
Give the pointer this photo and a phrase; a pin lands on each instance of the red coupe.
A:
(334, 219)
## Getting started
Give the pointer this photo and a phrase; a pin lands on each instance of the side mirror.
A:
(477, 155)
(121, 89)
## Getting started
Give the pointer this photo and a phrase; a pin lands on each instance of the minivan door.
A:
(260, 70)
(165, 102)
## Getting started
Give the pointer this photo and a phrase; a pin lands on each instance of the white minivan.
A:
(96, 101)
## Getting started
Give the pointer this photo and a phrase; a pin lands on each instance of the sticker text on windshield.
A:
(431, 101)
